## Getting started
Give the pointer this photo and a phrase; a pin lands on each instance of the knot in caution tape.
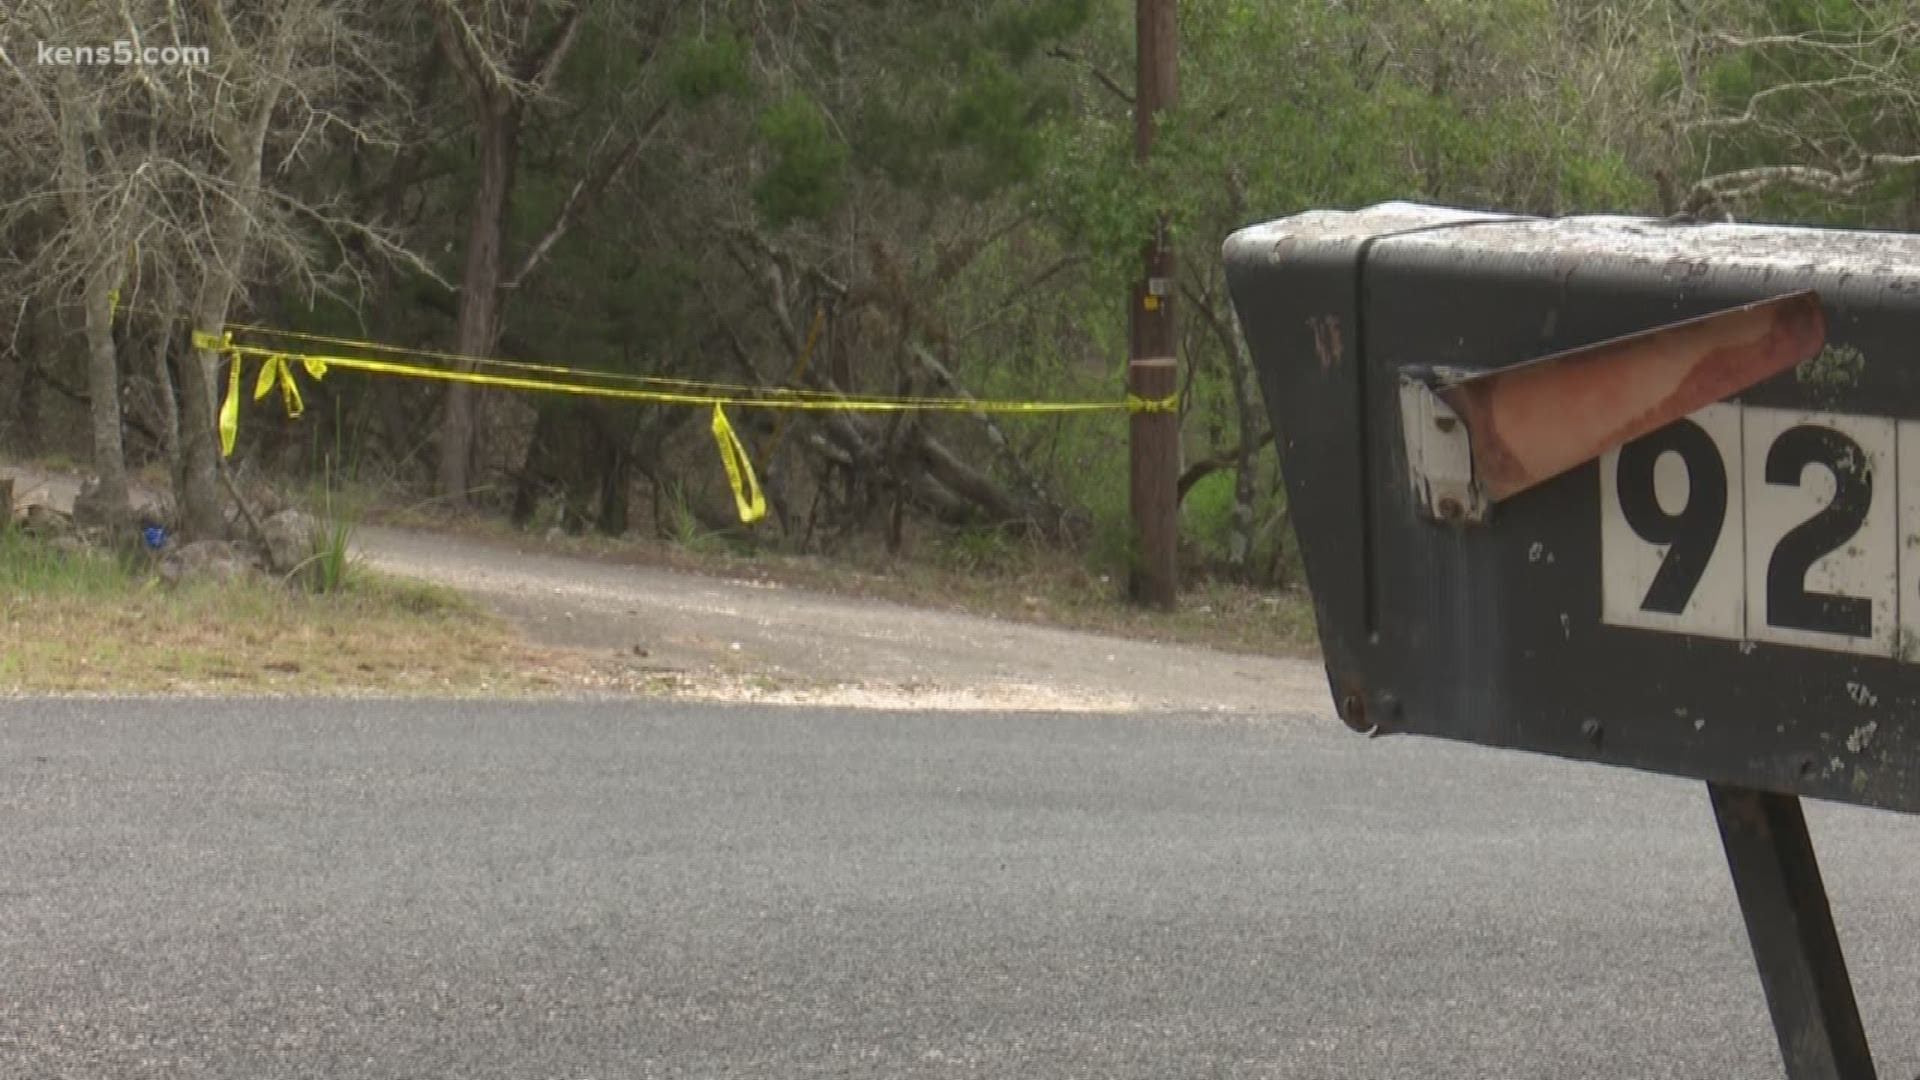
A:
(1138, 404)
(277, 369)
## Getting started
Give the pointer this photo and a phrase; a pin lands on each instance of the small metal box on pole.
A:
(1623, 491)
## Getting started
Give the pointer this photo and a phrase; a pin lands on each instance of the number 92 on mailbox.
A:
(1768, 525)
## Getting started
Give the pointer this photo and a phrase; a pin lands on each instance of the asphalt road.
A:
(575, 891)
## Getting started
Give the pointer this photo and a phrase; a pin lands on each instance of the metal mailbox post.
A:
(1622, 491)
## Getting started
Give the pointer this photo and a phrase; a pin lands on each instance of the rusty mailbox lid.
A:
(1608, 488)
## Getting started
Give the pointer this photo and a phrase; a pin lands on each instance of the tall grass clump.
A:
(332, 567)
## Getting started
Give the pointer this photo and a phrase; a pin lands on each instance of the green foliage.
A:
(1022, 30)
(957, 98)
(1600, 180)
(30, 567)
(1823, 84)
(806, 179)
(684, 527)
(700, 69)
(1730, 80)
(993, 115)
(977, 550)
(332, 567)
(1206, 515)
(1287, 106)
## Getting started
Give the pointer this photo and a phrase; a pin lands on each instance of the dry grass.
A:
(83, 622)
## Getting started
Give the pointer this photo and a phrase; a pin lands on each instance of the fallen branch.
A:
(1219, 459)
(1042, 501)
(1060, 52)
(81, 397)
(240, 501)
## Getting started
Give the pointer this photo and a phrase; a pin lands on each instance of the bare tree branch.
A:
(584, 193)
(1100, 76)
(538, 68)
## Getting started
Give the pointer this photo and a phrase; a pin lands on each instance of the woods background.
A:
(880, 196)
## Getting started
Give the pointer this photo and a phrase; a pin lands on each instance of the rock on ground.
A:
(91, 510)
(205, 560)
(46, 522)
(289, 538)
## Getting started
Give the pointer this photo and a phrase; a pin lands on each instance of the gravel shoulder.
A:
(738, 639)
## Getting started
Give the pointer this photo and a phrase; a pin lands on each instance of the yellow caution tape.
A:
(1153, 405)
(279, 368)
(733, 455)
(230, 410)
(276, 368)
(230, 403)
(480, 362)
(699, 394)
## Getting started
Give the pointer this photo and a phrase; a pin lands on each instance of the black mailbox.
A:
(1624, 491)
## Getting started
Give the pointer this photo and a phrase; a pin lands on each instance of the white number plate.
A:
(1767, 525)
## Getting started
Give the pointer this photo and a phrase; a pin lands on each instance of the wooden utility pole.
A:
(1153, 369)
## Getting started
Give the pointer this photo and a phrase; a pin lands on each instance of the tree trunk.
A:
(196, 479)
(536, 468)
(103, 392)
(164, 381)
(479, 318)
(612, 519)
(197, 485)
(169, 401)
